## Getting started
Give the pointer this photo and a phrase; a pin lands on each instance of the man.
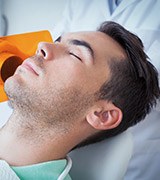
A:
(85, 87)
(133, 15)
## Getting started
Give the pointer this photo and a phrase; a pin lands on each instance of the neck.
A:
(23, 144)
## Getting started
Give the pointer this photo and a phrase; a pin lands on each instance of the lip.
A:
(31, 67)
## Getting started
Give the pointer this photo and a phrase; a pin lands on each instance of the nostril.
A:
(43, 52)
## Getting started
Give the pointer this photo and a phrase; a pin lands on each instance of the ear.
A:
(105, 115)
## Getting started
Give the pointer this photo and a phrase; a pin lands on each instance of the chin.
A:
(11, 85)
(13, 80)
(11, 89)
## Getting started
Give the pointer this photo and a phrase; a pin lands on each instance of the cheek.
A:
(66, 74)
(71, 73)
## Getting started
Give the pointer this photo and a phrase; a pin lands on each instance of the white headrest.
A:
(106, 160)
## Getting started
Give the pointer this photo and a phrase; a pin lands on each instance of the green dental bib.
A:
(43, 171)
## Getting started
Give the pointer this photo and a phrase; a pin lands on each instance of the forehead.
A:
(101, 43)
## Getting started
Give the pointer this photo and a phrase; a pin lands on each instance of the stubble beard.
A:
(50, 109)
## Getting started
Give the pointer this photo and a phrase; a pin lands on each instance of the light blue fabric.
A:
(113, 4)
(42, 171)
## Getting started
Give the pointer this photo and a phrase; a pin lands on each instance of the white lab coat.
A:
(138, 16)
(142, 18)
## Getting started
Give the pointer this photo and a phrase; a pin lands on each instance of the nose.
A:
(45, 50)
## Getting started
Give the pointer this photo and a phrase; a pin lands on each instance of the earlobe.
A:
(106, 118)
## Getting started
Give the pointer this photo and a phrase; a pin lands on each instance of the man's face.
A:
(60, 81)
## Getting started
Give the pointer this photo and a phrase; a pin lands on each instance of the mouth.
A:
(31, 67)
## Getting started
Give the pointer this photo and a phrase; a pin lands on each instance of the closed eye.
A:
(75, 56)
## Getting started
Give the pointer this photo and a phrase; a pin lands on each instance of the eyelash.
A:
(75, 56)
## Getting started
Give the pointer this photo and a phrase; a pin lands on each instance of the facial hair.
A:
(47, 108)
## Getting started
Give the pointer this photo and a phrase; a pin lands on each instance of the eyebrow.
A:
(84, 44)
(79, 43)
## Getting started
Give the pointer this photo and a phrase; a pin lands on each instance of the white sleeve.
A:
(5, 113)
(64, 24)
(6, 172)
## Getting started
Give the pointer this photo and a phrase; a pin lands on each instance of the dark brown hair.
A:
(133, 86)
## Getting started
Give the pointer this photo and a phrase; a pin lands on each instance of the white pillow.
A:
(106, 160)
(5, 112)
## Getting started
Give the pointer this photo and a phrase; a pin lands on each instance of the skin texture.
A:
(53, 95)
